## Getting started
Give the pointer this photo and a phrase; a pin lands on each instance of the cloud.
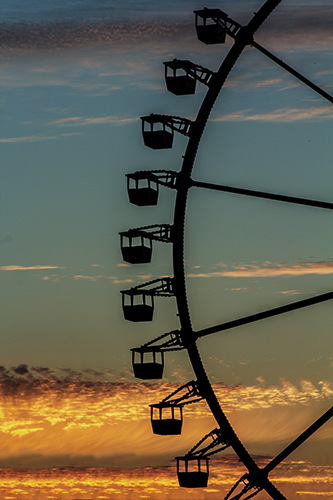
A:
(27, 268)
(89, 278)
(111, 392)
(269, 82)
(93, 25)
(265, 270)
(117, 280)
(117, 479)
(34, 138)
(283, 115)
(68, 34)
(79, 120)
(102, 417)
(27, 138)
(268, 269)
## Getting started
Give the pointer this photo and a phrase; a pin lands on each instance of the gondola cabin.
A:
(192, 472)
(135, 249)
(177, 79)
(148, 365)
(156, 134)
(137, 305)
(166, 420)
(142, 191)
(208, 31)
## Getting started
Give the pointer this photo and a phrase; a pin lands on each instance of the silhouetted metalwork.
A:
(183, 82)
(246, 487)
(170, 341)
(222, 23)
(266, 196)
(293, 72)
(136, 244)
(193, 472)
(212, 26)
(157, 130)
(211, 443)
(166, 420)
(138, 302)
(265, 314)
(142, 186)
(148, 364)
(139, 253)
(167, 415)
(246, 480)
(142, 189)
(299, 440)
(138, 305)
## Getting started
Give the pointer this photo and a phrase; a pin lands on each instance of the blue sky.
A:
(76, 77)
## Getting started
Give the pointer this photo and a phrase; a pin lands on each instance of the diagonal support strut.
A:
(265, 314)
(292, 71)
(260, 194)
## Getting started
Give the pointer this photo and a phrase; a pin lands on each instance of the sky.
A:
(76, 76)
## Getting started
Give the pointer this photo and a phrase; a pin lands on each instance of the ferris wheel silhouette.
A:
(212, 26)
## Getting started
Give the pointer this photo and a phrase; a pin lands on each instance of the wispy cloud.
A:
(146, 22)
(268, 269)
(117, 391)
(27, 138)
(102, 120)
(48, 412)
(269, 82)
(35, 138)
(285, 115)
(88, 278)
(27, 268)
(87, 33)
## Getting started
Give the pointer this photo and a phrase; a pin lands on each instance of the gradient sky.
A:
(76, 76)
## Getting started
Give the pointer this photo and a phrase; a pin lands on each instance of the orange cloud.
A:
(27, 268)
(297, 478)
(268, 269)
(81, 276)
(75, 414)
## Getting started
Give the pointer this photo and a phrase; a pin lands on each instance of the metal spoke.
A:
(292, 71)
(300, 440)
(260, 194)
(265, 314)
(212, 26)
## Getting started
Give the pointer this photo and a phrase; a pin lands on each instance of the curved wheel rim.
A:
(257, 476)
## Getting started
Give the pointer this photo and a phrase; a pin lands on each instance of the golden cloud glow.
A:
(91, 417)
(27, 268)
(297, 478)
(268, 269)
(264, 270)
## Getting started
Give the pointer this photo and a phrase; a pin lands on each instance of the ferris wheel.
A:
(212, 26)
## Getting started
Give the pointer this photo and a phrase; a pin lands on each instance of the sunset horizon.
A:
(140, 280)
